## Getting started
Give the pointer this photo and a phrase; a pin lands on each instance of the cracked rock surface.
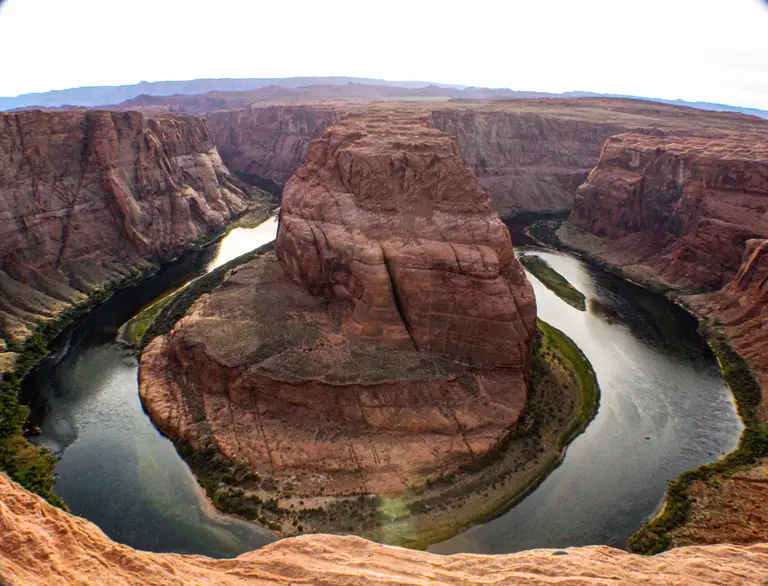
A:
(88, 197)
(386, 342)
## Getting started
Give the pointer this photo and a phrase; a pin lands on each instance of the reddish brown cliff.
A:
(309, 371)
(269, 142)
(89, 197)
(42, 545)
(678, 208)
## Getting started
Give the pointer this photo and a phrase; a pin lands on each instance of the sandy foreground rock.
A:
(42, 545)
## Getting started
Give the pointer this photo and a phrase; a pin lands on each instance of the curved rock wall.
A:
(681, 208)
(270, 142)
(391, 346)
(87, 197)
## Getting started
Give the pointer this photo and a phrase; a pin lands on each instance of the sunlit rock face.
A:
(386, 342)
(44, 546)
(88, 197)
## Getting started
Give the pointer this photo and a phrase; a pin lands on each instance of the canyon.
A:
(91, 198)
(689, 215)
(389, 334)
(386, 343)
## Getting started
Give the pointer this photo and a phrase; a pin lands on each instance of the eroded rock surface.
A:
(89, 197)
(681, 208)
(42, 545)
(390, 344)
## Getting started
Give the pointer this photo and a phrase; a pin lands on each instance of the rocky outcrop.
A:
(389, 345)
(270, 142)
(680, 208)
(87, 198)
(42, 545)
(528, 161)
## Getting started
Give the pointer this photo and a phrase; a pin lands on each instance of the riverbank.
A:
(554, 281)
(32, 466)
(700, 504)
(564, 398)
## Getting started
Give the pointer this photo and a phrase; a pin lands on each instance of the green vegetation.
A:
(557, 342)
(159, 319)
(653, 537)
(554, 281)
(31, 466)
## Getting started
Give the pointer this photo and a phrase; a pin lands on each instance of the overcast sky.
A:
(711, 50)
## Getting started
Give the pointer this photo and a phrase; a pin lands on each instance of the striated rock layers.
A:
(42, 545)
(387, 342)
(691, 213)
(271, 142)
(679, 208)
(89, 197)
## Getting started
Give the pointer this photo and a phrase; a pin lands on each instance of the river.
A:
(664, 409)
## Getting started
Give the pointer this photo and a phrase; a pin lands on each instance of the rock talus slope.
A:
(88, 197)
(389, 344)
(42, 545)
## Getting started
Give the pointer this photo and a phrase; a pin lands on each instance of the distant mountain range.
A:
(111, 95)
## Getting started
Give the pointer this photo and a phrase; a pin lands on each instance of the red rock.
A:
(391, 247)
(87, 197)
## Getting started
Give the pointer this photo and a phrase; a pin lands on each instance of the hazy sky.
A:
(712, 50)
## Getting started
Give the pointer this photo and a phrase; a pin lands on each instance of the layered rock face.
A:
(680, 208)
(389, 344)
(689, 213)
(528, 161)
(269, 142)
(88, 197)
(42, 545)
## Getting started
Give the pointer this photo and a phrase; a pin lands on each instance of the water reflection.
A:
(115, 468)
(664, 410)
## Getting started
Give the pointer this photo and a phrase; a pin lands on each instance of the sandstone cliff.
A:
(681, 208)
(309, 372)
(269, 142)
(89, 197)
(42, 545)
(530, 155)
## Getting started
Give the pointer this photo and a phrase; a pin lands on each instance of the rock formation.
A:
(392, 345)
(42, 545)
(689, 213)
(89, 197)
(269, 142)
(680, 208)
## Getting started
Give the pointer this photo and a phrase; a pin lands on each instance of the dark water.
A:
(115, 468)
(664, 409)
(658, 381)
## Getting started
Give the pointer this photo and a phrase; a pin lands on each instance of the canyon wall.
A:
(389, 345)
(528, 161)
(269, 142)
(42, 545)
(680, 208)
(687, 213)
(88, 198)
